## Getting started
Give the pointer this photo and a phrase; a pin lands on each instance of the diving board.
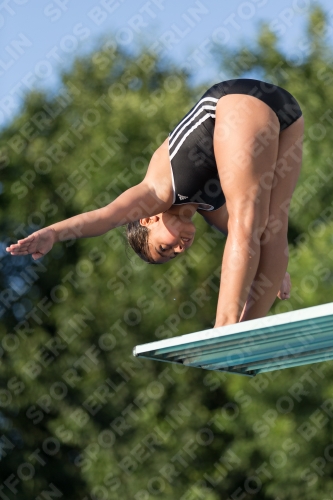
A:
(272, 343)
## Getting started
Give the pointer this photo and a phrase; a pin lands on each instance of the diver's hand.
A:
(36, 245)
(284, 292)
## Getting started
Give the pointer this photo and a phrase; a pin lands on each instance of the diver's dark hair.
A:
(137, 237)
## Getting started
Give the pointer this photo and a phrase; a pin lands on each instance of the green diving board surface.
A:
(272, 343)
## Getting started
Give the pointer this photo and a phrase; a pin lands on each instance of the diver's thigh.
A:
(287, 170)
(246, 141)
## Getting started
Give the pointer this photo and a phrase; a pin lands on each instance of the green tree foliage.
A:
(80, 417)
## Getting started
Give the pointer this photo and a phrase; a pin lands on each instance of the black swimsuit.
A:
(193, 166)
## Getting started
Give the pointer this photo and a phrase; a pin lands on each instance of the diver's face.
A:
(169, 235)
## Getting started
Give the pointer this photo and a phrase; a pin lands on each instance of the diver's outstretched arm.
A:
(137, 202)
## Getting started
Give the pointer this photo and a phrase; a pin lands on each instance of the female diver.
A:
(235, 159)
